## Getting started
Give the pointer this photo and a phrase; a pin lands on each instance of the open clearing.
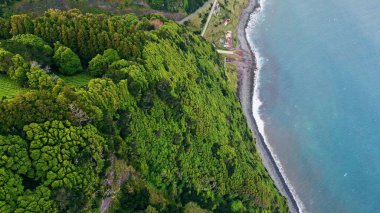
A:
(8, 87)
(77, 80)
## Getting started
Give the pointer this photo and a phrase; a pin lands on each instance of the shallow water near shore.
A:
(319, 86)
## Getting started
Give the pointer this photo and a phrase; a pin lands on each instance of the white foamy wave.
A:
(256, 18)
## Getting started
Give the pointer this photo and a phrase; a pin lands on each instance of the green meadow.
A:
(8, 87)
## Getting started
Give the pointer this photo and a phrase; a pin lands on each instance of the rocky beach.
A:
(246, 80)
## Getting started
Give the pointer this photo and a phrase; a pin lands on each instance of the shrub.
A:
(99, 64)
(67, 61)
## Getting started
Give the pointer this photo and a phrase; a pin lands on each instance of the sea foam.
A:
(258, 16)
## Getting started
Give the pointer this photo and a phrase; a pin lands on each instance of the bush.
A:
(67, 61)
(19, 69)
(5, 60)
(111, 56)
(39, 79)
(237, 206)
(99, 64)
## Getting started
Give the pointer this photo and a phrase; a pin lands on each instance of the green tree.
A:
(18, 70)
(14, 154)
(32, 106)
(237, 206)
(100, 101)
(192, 207)
(67, 61)
(39, 79)
(14, 162)
(137, 81)
(4, 29)
(31, 47)
(5, 60)
(65, 156)
(21, 24)
(10, 188)
(99, 64)
(38, 200)
(111, 56)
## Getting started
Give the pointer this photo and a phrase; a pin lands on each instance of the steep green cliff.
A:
(157, 128)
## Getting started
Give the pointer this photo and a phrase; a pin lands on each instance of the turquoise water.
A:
(319, 86)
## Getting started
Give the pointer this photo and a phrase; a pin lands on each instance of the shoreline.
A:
(246, 84)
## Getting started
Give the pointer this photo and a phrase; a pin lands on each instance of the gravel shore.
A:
(247, 68)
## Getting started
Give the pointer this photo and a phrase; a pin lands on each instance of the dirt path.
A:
(195, 12)
(228, 52)
(209, 17)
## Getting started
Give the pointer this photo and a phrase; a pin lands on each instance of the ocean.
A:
(317, 98)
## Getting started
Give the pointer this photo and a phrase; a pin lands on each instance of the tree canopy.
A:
(67, 61)
(100, 63)
(156, 129)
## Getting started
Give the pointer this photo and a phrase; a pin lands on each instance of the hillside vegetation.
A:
(171, 8)
(157, 128)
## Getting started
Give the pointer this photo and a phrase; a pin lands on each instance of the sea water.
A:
(318, 98)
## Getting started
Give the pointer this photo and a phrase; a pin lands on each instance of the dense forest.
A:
(187, 6)
(174, 5)
(156, 129)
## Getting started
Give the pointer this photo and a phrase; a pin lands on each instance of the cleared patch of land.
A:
(8, 87)
(77, 80)
(232, 71)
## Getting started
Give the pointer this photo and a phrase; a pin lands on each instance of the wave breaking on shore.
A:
(256, 16)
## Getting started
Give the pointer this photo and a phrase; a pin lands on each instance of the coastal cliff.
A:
(122, 113)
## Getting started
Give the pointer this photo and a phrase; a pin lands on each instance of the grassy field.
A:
(8, 88)
(232, 71)
(77, 80)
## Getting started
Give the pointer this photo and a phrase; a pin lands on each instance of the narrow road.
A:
(209, 17)
(194, 13)
(228, 52)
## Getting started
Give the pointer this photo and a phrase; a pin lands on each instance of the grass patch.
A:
(8, 87)
(197, 23)
(232, 75)
(78, 80)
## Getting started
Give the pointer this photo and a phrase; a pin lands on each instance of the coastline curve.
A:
(248, 95)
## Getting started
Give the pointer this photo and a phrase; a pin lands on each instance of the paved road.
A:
(228, 52)
(195, 12)
(209, 17)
